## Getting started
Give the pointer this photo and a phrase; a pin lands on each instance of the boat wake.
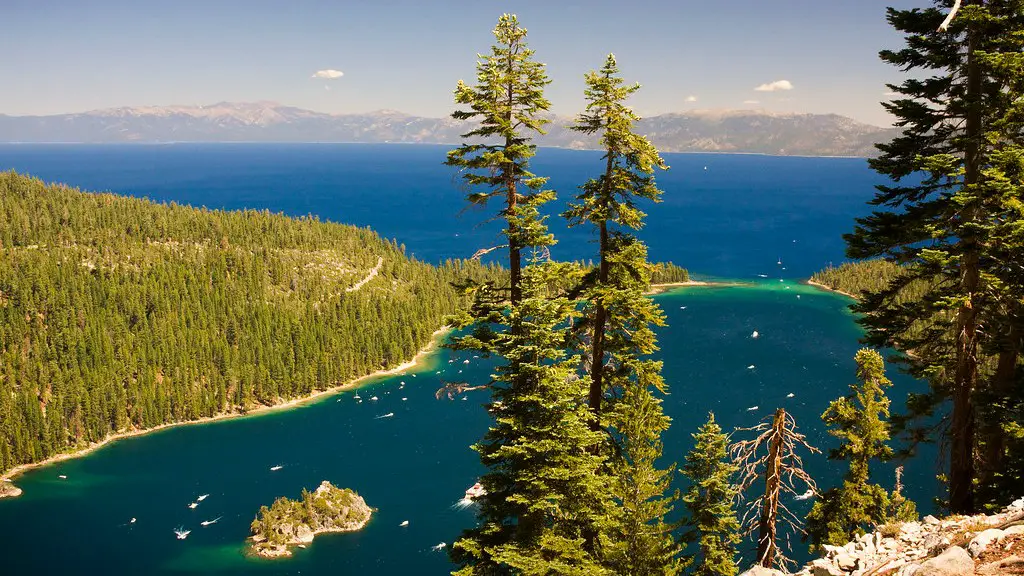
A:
(462, 504)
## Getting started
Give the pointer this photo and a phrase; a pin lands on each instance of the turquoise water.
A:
(416, 465)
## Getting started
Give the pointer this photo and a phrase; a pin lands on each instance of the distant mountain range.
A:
(738, 131)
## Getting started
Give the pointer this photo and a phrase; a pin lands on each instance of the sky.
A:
(348, 56)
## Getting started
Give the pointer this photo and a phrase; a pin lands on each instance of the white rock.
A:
(822, 567)
(983, 540)
(1017, 504)
(930, 520)
(955, 561)
(845, 561)
(1014, 530)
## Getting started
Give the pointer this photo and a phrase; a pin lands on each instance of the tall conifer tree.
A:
(619, 319)
(859, 420)
(711, 500)
(547, 507)
(937, 215)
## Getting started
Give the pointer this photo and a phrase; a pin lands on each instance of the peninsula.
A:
(293, 522)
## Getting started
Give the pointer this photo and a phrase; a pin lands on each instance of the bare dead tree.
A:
(773, 455)
(476, 255)
(949, 19)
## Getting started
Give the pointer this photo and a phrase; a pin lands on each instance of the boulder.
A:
(955, 561)
(845, 562)
(822, 567)
(930, 520)
(982, 540)
(1014, 530)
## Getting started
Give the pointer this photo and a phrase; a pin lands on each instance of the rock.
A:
(1004, 566)
(822, 567)
(845, 561)
(907, 570)
(983, 540)
(1017, 505)
(762, 571)
(304, 534)
(955, 561)
(930, 520)
(1014, 530)
(934, 542)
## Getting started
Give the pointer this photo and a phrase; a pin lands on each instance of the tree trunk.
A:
(961, 473)
(767, 533)
(600, 314)
(1002, 387)
(597, 347)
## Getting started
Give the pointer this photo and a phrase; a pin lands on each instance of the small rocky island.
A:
(293, 522)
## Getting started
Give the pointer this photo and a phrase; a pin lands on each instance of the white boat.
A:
(276, 468)
(388, 415)
(373, 398)
(762, 275)
(404, 523)
(62, 477)
(475, 491)
(790, 395)
(751, 367)
(203, 497)
(805, 496)
(358, 397)
(132, 521)
(404, 399)
(439, 547)
(193, 505)
(465, 361)
(208, 522)
(755, 335)
(181, 533)
(752, 408)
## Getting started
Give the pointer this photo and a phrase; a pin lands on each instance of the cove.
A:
(415, 465)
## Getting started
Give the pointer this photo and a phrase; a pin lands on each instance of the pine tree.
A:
(938, 225)
(618, 319)
(858, 420)
(548, 507)
(711, 501)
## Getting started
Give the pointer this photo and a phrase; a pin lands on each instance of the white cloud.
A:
(891, 94)
(751, 101)
(691, 98)
(774, 86)
(328, 74)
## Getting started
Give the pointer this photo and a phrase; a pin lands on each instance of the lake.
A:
(766, 220)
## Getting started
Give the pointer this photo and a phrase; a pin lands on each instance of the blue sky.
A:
(74, 55)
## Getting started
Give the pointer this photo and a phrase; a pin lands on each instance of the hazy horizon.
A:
(797, 56)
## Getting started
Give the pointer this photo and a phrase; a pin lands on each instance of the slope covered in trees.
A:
(119, 314)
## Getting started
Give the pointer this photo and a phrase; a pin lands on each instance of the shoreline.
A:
(821, 286)
(667, 286)
(8, 477)
(286, 551)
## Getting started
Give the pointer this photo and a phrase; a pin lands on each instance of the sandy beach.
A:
(11, 474)
(829, 289)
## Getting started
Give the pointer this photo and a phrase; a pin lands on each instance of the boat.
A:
(193, 505)
(751, 367)
(475, 491)
(208, 522)
(439, 547)
(404, 523)
(755, 335)
(276, 468)
(203, 497)
(132, 521)
(62, 477)
(752, 408)
(181, 533)
(388, 415)
(358, 397)
(404, 399)
(790, 395)
(373, 398)
(465, 361)
(805, 496)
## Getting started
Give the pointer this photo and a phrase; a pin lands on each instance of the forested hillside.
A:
(118, 314)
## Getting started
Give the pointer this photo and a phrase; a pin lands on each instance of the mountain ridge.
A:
(709, 130)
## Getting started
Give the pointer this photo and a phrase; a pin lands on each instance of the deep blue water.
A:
(734, 220)
(737, 218)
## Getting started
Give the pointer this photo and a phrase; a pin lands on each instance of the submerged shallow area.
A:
(415, 465)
